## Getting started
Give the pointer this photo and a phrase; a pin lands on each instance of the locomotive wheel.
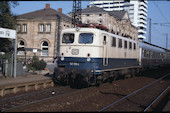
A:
(99, 82)
(111, 79)
(55, 78)
(72, 85)
(92, 80)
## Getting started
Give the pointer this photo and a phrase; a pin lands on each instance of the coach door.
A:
(105, 50)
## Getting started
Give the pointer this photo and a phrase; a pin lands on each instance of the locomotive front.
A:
(79, 52)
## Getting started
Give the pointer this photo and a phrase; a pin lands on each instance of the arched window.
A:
(44, 48)
(21, 44)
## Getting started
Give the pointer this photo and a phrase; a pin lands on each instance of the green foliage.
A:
(7, 20)
(36, 64)
(8, 56)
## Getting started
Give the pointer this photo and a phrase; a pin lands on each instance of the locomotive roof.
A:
(96, 30)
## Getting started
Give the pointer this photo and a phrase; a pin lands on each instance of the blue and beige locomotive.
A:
(92, 55)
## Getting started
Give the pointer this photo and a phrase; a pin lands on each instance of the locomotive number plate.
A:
(74, 64)
(75, 51)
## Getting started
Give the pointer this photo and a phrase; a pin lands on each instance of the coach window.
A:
(149, 54)
(130, 45)
(145, 53)
(68, 38)
(113, 42)
(86, 38)
(120, 43)
(163, 55)
(125, 44)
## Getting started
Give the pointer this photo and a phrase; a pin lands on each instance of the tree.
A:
(7, 20)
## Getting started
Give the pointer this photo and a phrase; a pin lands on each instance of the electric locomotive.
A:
(92, 56)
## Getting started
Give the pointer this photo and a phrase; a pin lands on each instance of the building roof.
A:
(117, 14)
(94, 9)
(46, 13)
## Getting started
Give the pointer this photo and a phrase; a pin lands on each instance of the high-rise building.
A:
(137, 10)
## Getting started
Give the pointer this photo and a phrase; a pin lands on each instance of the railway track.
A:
(8, 104)
(155, 102)
(130, 100)
(67, 99)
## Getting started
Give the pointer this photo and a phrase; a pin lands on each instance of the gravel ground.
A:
(95, 98)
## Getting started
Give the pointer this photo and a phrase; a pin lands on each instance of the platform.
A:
(24, 83)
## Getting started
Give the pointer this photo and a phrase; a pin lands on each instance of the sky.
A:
(158, 11)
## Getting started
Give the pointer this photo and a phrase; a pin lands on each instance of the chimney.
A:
(47, 6)
(60, 10)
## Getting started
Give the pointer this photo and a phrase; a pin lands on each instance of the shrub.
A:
(36, 64)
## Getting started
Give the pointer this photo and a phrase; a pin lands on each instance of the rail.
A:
(132, 93)
(156, 99)
(37, 97)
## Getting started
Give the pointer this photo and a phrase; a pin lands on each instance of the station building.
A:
(38, 32)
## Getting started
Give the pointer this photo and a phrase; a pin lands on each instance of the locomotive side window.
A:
(68, 38)
(134, 46)
(130, 45)
(86, 38)
(125, 44)
(113, 42)
(120, 43)
(104, 40)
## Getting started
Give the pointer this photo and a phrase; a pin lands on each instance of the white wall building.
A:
(137, 11)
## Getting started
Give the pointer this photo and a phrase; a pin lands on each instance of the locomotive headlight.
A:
(62, 56)
(88, 57)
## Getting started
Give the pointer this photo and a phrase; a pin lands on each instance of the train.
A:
(92, 56)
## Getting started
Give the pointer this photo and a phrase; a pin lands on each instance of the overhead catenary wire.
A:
(161, 12)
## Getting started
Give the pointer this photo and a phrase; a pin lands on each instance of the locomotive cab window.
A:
(68, 38)
(86, 38)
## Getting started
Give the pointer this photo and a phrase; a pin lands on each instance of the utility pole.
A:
(58, 35)
(76, 12)
(149, 30)
(166, 40)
